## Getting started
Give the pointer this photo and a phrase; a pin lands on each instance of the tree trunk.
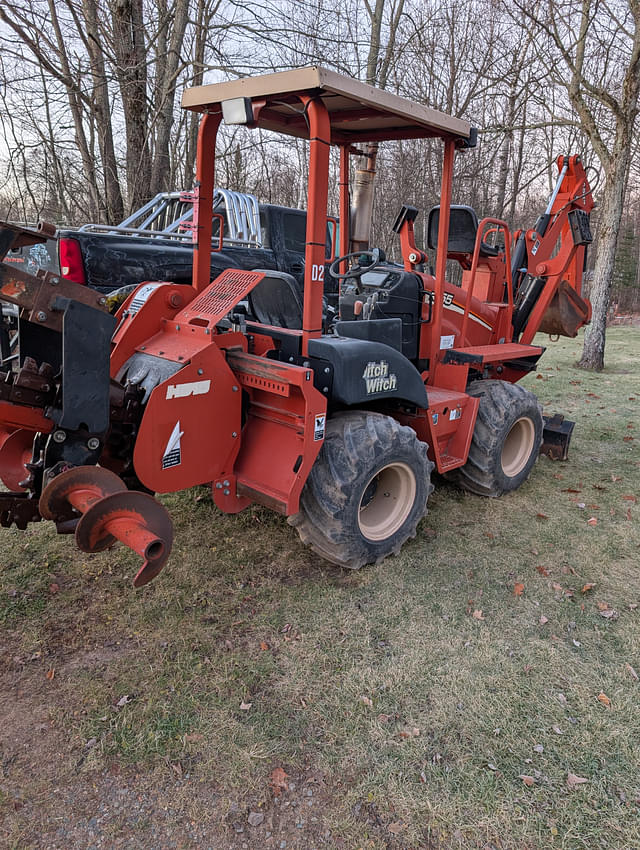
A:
(204, 16)
(131, 70)
(607, 240)
(102, 111)
(167, 71)
(75, 107)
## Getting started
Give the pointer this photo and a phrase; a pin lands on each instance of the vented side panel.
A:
(221, 296)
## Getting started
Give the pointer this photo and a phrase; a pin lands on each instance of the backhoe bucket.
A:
(556, 437)
(566, 313)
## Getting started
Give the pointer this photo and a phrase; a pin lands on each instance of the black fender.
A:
(366, 371)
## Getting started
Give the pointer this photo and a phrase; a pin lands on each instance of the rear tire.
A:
(366, 492)
(506, 439)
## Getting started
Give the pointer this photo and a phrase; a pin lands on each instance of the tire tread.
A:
(354, 440)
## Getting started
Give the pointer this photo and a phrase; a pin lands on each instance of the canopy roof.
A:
(358, 112)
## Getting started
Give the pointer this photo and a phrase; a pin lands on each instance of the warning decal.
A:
(171, 456)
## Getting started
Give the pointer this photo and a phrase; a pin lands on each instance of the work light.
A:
(238, 110)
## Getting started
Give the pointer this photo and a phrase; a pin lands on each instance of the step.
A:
(491, 353)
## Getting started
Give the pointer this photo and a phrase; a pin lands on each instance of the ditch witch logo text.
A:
(377, 378)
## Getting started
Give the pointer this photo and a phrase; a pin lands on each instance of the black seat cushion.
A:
(463, 227)
(277, 300)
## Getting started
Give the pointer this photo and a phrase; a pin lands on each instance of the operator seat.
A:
(463, 228)
(277, 300)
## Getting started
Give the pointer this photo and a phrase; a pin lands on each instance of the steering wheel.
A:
(356, 271)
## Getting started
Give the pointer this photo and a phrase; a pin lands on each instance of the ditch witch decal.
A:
(377, 378)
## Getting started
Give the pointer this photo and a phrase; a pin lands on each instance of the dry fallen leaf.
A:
(606, 611)
(543, 620)
(396, 827)
(478, 615)
(543, 571)
(278, 781)
(245, 706)
(518, 588)
(50, 674)
(366, 701)
(604, 699)
(124, 700)
(409, 732)
(542, 516)
(592, 521)
(54, 587)
(192, 739)
(263, 646)
(557, 587)
(629, 498)
(631, 671)
(616, 477)
(528, 780)
(587, 587)
(573, 781)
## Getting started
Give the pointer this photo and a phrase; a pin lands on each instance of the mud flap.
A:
(556, 436)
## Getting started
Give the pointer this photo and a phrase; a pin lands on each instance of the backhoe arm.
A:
(549, 260)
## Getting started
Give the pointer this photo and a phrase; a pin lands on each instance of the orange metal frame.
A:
(479, 327)
(263, 414)
(251, 426)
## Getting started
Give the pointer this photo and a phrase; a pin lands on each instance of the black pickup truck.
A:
(155, 243)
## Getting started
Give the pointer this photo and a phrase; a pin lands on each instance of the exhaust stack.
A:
(362, 208)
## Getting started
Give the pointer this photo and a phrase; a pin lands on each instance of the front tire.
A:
(506, 439)
(366, 492)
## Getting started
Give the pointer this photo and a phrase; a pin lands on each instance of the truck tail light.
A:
(71, 266)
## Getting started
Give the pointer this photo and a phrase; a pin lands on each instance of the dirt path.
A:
(51, 798)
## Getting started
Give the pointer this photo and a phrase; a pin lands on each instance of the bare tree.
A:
(592, 50)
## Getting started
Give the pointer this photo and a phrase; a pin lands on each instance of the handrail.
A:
(499, 224)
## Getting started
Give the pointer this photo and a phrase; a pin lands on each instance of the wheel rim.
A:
(518, 446)
(386, 501)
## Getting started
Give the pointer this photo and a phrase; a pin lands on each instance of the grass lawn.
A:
(478, 691)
